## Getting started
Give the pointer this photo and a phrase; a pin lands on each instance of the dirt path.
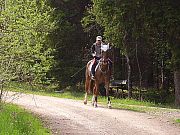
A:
(69, 117)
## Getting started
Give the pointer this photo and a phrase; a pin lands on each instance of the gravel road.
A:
(70, 117)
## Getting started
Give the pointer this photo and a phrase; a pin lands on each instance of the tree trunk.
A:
(1, 90)
(139, 69)
(128, 77)
(177, 87)
(162, 75)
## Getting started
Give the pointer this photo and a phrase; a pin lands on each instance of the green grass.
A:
(70, 93)
(16, 121)
(177, 120)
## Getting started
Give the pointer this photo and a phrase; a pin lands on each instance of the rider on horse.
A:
(96, 53)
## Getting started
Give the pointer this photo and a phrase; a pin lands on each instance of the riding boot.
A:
(93, 70)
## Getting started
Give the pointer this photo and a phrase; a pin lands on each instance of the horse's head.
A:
(105, 53)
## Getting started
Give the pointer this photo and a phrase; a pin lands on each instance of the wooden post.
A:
(177, 87)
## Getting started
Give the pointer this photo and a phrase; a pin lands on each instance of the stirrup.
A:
(93, 77)
(111, 77)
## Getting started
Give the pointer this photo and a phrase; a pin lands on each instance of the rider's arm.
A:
(93, 50)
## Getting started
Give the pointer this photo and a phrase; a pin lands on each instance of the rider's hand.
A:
(93, 54)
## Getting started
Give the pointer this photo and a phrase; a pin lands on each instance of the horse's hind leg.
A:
(93, 97)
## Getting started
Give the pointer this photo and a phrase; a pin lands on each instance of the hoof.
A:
(85, 102)
(109, 107)
(95, 105)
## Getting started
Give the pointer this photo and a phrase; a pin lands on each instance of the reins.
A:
(104, 72)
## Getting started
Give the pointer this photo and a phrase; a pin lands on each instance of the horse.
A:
(102, 75)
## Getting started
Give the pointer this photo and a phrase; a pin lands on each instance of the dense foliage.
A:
(69, 40)
(26, 52)
(146, 31)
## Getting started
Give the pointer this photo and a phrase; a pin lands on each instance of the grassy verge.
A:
(70, 93)
(17, 121)
(177, 120)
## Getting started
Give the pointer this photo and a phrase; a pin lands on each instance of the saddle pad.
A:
(90, 66)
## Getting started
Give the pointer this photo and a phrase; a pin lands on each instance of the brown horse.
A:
(102, 75)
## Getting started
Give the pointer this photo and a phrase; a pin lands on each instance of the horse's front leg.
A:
(95, 94)
(93, 97)
(93, 100)
(85, 98)
(87, 87)
(107, 94)
(95, 103)
(109, 103)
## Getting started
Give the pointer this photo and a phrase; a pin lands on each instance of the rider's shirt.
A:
(96, 50)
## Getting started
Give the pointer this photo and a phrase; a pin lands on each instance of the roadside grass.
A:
(177, 120)
(17, 121)
(72, 93)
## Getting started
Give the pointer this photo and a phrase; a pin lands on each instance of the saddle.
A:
(93, 68)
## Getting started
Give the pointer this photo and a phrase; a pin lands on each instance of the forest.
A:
(46, 42)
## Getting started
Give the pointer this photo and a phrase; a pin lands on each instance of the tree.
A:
(163, 17)
(26, 52)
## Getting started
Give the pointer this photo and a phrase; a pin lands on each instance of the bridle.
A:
(101, 62)
(104, 59)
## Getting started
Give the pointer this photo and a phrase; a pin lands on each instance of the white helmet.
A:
(99, 38)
